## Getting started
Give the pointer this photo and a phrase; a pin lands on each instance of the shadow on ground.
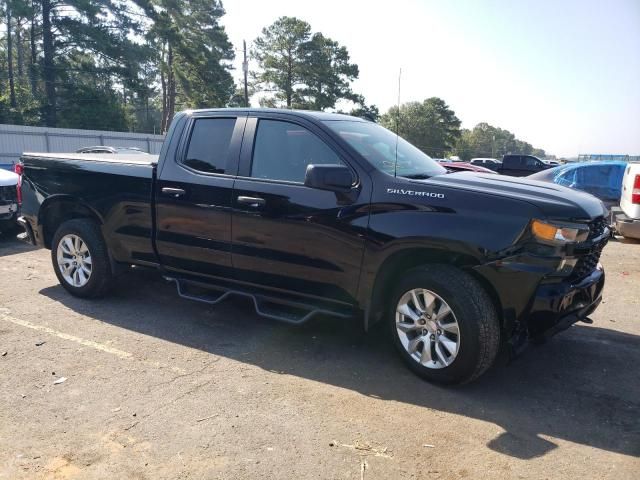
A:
(9, 245)
(583, 386)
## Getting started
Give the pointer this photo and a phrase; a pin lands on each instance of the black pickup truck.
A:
(311, 214)
(521, 165)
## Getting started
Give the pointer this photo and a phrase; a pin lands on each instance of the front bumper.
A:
(557, 306)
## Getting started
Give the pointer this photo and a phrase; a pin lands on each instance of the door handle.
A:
(174, 192)
(253, 202)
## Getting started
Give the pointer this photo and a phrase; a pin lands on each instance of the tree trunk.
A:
(318, 104)
(34, 56)
(20, 52)
(163, 83)
(171, 91)
(289, 80)
(49, 73)
(12, 87)
(146, 105)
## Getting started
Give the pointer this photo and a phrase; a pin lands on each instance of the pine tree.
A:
(280, 52)
(299, 69)
(195, 54)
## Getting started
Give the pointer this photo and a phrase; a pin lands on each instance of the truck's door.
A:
(193, 195)
(289, 236)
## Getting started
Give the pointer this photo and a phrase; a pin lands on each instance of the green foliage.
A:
(72, 58)
(489, 141)
(193, 53)
(300, 69)
(92, 107)
(327, 74)
(130, 64)
(203, 57)
(430, 125)
(368, 112)
(539, 152)
(280, 52)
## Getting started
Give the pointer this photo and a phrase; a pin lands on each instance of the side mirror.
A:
(335, 178)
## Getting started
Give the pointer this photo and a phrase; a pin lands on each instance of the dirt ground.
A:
(159, 387)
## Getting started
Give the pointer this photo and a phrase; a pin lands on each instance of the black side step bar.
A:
(274, 308)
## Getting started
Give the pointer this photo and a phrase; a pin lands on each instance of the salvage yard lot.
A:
(159, 387)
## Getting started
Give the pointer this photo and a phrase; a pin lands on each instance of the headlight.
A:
(559, 234)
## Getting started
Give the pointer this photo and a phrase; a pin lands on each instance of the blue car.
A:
(601, 179)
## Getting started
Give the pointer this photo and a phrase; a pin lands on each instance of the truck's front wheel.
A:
(444, 324)
(80, 259)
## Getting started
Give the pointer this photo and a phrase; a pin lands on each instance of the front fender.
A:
(383, 263)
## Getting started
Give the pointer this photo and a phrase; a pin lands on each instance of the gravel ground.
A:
(158, 387)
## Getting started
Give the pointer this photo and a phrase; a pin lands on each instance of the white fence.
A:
(15, 139)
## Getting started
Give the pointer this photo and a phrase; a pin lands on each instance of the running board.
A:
(274, 308)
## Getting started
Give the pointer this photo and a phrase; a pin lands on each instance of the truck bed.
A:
(115, 189)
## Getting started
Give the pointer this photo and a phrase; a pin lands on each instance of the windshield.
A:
(378, 146)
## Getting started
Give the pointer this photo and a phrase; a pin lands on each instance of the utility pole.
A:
(245, 71)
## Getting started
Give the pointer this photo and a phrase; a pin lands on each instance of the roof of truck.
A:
(301, 113)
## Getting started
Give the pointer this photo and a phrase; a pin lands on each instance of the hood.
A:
(555, 201)
(7, 178)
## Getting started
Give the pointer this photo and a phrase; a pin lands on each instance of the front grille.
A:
(588, 262)
(597, 227)
(8, 194)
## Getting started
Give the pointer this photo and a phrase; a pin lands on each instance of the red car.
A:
(465, 167)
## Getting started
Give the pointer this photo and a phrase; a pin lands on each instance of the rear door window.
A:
(209, 142)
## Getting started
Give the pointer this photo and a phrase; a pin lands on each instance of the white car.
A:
(490, 163)
(8, 199)
(628, 222)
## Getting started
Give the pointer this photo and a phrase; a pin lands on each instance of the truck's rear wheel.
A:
(80, 259)
(444, 324)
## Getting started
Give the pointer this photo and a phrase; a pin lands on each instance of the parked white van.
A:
(628, 222)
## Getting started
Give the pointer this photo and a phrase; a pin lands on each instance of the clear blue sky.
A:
(563, 75)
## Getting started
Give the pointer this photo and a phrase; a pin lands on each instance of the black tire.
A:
(101, 277)
(479, 328)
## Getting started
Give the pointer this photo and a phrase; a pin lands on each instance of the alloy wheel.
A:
(427, 328)
(74, 260)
